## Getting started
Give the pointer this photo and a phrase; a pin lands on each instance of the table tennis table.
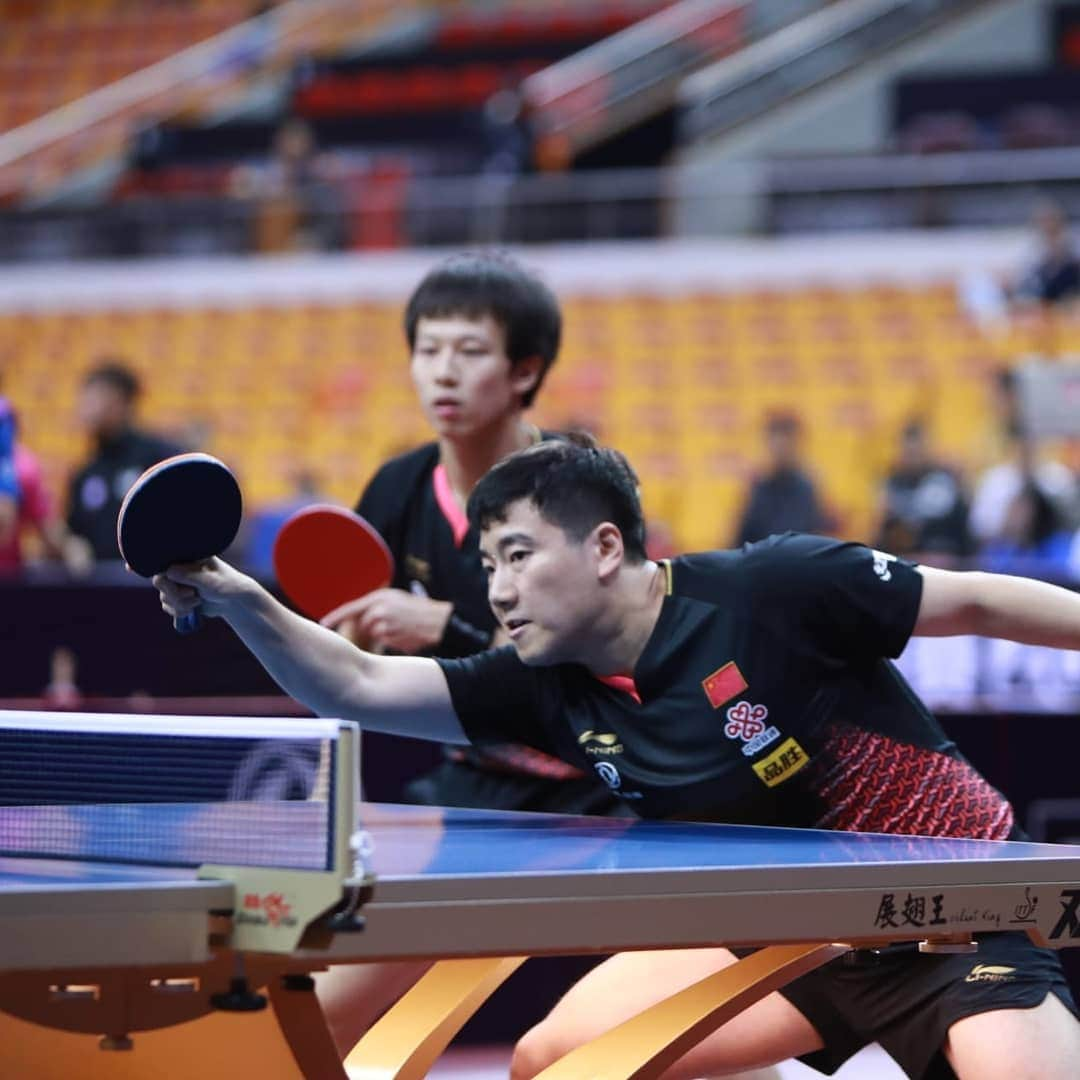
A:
(481, 890)
(132, 944)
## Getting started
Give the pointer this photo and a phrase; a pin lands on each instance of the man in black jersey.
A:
(482, 335)
(108, 401)
(747, 685)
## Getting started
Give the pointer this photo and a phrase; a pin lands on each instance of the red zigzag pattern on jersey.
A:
(871, 783)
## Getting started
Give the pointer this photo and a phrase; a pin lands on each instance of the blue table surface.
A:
(410, 842)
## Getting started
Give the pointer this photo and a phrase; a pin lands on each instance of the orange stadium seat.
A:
(682, 384)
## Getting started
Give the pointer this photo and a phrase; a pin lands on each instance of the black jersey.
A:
(763, 695)
(97, 490)
(437, 554)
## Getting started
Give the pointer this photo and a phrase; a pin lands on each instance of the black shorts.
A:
(461, 783)
(906, 1000)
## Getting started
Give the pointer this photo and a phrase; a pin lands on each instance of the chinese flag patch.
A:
(723, 684)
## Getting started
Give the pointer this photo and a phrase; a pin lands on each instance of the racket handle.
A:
(188, 624)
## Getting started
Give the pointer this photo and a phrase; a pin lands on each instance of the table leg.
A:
(642, 1047)
(301, 1020)
(406, 1041)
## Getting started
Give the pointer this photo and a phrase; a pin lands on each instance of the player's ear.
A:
(608, 546)
(525, 374)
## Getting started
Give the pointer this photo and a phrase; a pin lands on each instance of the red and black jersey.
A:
(437, 554)
(764, 695)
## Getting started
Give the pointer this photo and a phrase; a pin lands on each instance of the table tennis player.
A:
(748, 686)
(482, 333)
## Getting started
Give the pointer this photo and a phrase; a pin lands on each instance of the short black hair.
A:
(475, 284)
(117, 375)
(573, 482)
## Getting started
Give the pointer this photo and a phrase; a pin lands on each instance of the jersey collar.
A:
(450, 507)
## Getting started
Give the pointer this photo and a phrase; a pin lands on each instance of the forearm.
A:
(314, 665)
(1028, 611)
(332, 677)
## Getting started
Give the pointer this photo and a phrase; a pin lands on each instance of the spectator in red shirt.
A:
(32, 510)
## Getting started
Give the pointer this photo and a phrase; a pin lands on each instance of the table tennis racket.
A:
(182, 510)
(326, 556)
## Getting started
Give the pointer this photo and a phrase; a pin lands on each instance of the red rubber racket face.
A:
(325, 556)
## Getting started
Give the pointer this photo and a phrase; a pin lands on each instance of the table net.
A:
(169, 791)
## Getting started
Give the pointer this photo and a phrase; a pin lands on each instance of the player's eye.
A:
(517, 556)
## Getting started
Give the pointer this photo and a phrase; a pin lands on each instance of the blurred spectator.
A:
(999, 485)
(1054, 275)
(924, 510)
(9, 481)
(25, 506)
(783, 497)
(62, 691)
(299, 201)
(107, 405)
(1051, 277)
(1035, 540)
(507, 134)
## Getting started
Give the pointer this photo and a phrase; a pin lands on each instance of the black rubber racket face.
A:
(182, 510)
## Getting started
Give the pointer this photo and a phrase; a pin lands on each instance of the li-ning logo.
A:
(990, 973)
(881, 564)
(606, 743)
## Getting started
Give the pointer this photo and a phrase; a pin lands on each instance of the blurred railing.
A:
(802, 56)
(629, 76)
(971, 189)
(37, 156)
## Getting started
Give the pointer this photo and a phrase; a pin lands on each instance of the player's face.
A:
(463, 377)
(542, 585)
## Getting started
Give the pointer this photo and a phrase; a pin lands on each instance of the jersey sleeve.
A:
(498, 699)
(846, 602)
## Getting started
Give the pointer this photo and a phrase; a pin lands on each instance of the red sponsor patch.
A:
(723, 684)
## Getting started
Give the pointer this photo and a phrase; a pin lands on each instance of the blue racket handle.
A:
(188, 624)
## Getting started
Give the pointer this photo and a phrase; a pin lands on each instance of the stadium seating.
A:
(681, 383)
(55, 51)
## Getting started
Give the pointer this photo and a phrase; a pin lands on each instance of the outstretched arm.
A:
(403, 695)
(999, 606)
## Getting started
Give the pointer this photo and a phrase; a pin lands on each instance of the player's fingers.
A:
(375, 623)
(173, 592)
(349, 610)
